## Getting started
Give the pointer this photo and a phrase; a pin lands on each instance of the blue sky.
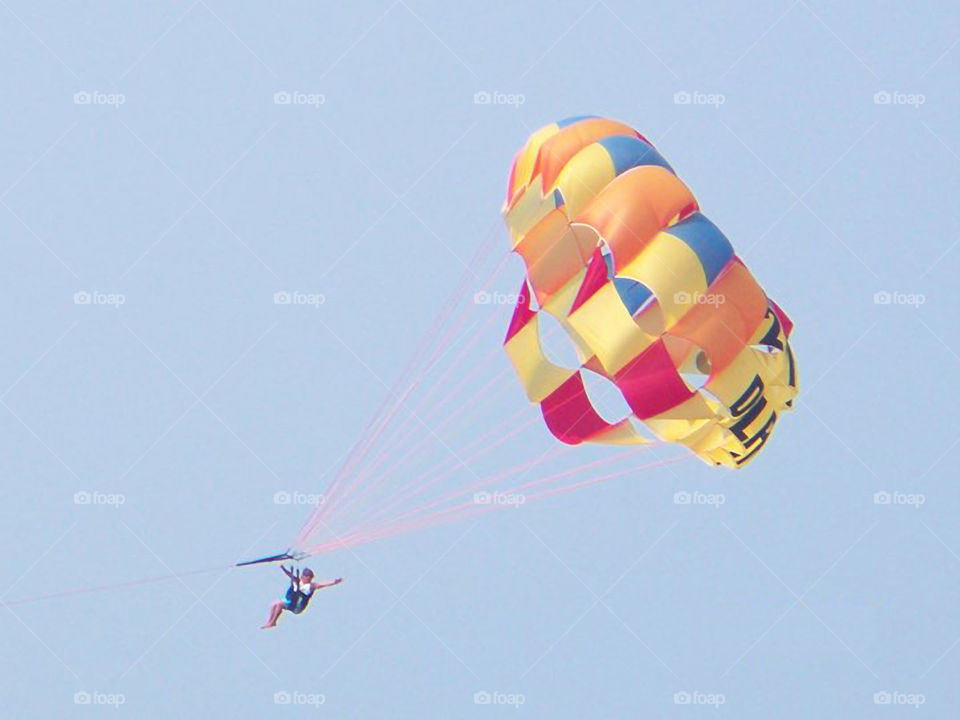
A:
(823, 140)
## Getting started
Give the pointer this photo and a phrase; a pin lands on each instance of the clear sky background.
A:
(198, 398)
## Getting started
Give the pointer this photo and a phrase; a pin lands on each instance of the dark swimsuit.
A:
(296, 601)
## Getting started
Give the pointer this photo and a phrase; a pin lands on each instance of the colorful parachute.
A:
(650, 293)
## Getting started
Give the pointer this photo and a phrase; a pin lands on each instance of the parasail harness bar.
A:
(294, 555)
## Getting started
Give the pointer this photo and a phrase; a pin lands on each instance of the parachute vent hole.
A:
(556, 342)
(638, 299)
(605, 397)
(694, 381)
(692, 362)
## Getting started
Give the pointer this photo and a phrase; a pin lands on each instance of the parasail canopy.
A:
(651, 294)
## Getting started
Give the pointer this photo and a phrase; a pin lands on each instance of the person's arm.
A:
(321, 584)
(294, 577)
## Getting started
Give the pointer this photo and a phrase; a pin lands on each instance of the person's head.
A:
(307, 574)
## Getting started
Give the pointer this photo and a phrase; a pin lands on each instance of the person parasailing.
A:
(298, 595)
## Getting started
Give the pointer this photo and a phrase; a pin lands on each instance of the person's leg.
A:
(275, 611)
